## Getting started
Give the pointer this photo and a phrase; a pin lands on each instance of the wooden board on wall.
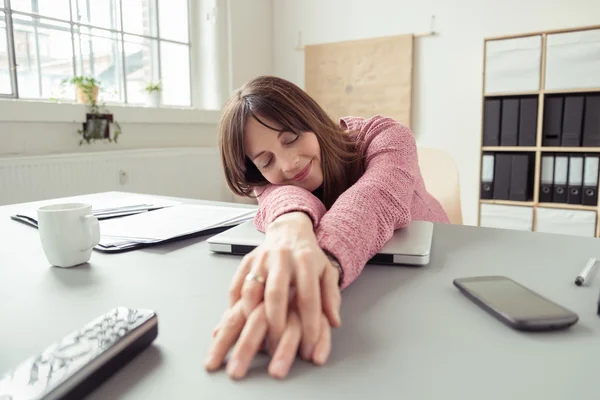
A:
(362, 77)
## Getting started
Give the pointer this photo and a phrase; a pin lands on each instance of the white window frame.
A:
(74, 25)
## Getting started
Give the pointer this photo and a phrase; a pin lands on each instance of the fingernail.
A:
(279, 369)
(235, 369)
(321, 357)
(209, 361)
(307, 351)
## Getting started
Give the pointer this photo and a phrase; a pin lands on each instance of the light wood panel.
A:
(362, 77)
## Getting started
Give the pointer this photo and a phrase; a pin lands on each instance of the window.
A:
(123, 43)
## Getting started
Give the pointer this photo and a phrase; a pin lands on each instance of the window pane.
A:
(101, 13)
(139, 16)
(5, 87)
(173, 20)
(98, 54)
(47, 8)
(141, 63)
(175, 72)
(44, 57)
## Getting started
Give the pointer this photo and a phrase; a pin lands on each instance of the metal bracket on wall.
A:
(431, 32)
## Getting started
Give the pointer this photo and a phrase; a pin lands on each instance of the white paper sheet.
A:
(170, 222)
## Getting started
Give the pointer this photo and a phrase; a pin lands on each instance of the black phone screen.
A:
(511, 298)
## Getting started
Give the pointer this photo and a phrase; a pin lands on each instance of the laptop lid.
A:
(408, 246)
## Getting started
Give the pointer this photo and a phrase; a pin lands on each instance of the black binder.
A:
(528, 116)
(487, 177)
(591, 122)
(509, 127)
(491, 122)
(590, 180)
(575, 178)
(502, 174)
(572, 121)
(561, 169)
(547, 178)
(553, 113)
(519, 177)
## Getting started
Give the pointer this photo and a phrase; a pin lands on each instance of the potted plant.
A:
(98, 118)
(86, 88)
(153, 90)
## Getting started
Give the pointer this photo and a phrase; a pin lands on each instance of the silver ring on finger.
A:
(255, 277)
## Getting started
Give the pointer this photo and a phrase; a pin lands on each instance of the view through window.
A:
(125, 44)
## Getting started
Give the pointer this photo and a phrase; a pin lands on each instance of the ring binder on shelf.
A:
(575, 179)
(528, 116)
(509, 128)
(572, 121)
(487, 176)
(553, 112)
(591, 123)
(491, 122)
(547, 179)
(561, 168)
(502, 174)
(590, 180)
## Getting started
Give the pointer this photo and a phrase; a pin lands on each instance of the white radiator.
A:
(185, 172)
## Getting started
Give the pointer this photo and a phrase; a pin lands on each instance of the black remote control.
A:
(77, 364)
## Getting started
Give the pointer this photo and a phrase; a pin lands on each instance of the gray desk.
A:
(407, 333)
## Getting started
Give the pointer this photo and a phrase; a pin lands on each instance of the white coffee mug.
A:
(68, 233)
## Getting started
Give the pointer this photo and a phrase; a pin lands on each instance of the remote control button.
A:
(73, 350)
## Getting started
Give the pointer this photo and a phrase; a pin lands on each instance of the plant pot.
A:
(82, 97)
(153, 99)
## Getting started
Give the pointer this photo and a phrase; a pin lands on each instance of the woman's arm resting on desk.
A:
(365, 216)
(277, 200)
(289, 257)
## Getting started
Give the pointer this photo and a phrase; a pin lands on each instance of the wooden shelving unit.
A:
(538, 150)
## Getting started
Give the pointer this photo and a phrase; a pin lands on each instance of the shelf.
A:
(565, 206)
(509, 148)
(568, 206)
(570, 149)
(542, 149)
(507, 202)
(512, 94)
(570, 91)
(548, 32)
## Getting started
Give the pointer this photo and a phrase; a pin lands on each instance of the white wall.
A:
(251, 33)
(448, 67)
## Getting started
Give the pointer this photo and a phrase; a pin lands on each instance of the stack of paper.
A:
(169, 223)
(109, 205)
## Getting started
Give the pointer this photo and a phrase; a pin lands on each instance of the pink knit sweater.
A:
(389, 195)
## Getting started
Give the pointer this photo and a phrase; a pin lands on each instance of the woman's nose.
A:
(289, 164)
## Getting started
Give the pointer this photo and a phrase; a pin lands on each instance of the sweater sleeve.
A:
(276, 200)
(365, 216)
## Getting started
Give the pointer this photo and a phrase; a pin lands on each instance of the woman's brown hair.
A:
(278, 100)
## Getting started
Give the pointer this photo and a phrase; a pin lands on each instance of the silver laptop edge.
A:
(408, 246)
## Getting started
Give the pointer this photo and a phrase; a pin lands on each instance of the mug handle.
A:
(93, 226)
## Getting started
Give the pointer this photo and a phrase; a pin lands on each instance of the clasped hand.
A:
(285, 293)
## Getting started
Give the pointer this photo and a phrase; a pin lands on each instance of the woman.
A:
(330, 196)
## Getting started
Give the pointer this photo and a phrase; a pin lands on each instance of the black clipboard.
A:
(133, 246)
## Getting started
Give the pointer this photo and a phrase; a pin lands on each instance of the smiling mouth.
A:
(303, 173)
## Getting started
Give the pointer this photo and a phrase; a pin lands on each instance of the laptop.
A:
(408, 246)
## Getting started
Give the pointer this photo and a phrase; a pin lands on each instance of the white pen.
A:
(585, 273)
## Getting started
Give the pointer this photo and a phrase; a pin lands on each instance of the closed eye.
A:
(296, 137)
(266, 165)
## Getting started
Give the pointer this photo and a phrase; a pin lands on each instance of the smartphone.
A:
(514, 304)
